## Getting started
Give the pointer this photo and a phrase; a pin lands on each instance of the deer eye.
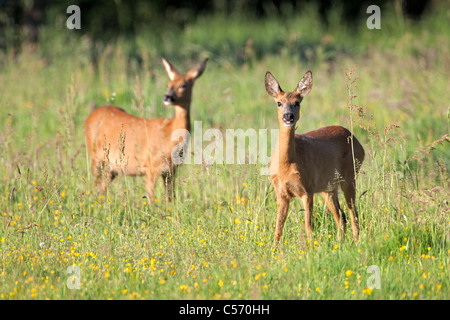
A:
(297, 104)
(279, 104)
(182, 86)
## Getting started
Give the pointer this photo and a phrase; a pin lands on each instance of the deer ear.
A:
(170, 69)
(197, 71)
(272, 86)
(305, 85)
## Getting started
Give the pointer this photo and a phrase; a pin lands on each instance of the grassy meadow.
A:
(215, 240)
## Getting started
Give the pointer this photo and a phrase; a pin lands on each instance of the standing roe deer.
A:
(317, 161)
(120, 142)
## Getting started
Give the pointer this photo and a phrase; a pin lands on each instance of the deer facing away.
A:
(318, 161)
(118, 142)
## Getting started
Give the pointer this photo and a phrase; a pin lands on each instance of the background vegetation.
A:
(390, 86)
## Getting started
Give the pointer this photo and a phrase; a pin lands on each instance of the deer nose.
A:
(288, 117)
(168, 99)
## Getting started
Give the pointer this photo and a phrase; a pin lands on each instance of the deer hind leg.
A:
(169, 184)
(350, 195)
(308, 203)
(332, 201)
(282, 213)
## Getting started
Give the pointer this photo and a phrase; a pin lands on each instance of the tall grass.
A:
(221, 245)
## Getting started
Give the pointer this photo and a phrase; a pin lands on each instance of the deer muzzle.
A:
(169, 98)
(288, 119)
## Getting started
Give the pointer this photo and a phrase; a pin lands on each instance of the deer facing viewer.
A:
(118, 142)
(317, 161)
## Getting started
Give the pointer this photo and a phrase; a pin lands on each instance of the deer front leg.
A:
(102, 174)
(150, 183)
(282, 212)
(308, 204)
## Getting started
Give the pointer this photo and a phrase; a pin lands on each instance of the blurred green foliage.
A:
(21, 20)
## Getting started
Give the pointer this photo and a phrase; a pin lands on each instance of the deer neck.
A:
(182, 118)
(286, 147)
